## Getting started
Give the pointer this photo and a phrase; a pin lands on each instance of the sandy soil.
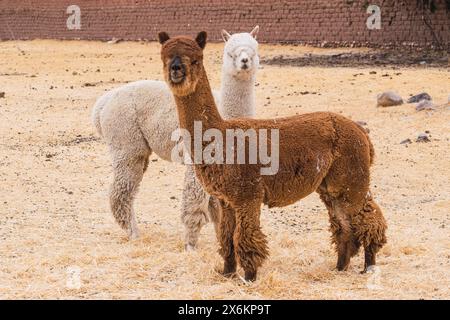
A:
(55, 175)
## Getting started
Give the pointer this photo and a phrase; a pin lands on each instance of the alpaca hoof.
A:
(250, 276)
(369, 269)
(227, 274)
(245, 282)
(189, 247)
(342, 266)
(133, 235)
(229, 269)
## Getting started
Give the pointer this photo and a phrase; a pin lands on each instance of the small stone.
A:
(388, 99)
(419, 97)
(2, 95)
(424, 105)
(423, 137)
(408, 141)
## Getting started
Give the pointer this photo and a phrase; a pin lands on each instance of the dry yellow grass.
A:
(54, 214)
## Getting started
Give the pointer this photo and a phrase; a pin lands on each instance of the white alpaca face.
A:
(244, 59)
(240, 57)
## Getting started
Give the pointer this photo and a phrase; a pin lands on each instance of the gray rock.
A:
(425, 105)
(423, 137)
(419, 97)
(388, 99)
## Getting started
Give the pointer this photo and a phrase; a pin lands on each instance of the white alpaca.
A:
(139, 118)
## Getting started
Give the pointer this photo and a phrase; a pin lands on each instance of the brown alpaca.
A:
(320, 151)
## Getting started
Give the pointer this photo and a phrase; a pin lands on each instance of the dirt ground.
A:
(55, 172)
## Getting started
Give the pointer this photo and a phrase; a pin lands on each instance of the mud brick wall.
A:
(324, 22)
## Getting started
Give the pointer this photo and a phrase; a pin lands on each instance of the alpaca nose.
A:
(176, 64)
(245, 60)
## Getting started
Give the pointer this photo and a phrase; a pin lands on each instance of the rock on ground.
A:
(425, 105)
(423, 137)
(419, 97)
(388, 99)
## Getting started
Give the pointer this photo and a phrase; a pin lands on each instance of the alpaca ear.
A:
(163, 37)
(201, 39)
(225, 35)
(254, 32)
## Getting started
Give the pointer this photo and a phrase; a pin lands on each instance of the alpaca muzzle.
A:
(177, 70)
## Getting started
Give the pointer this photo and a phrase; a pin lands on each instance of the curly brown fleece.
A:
(322, 152)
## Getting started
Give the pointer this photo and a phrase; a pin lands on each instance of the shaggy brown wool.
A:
(321, 151)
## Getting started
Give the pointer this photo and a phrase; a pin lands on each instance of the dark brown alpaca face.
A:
(183, 61)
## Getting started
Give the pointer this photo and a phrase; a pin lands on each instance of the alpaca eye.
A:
(195, 62)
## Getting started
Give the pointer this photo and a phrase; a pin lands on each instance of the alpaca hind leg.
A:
(193, 222)
(194, 212)
(227, 225)
(249, 241)
(344, 188)
(342, 234)
(128, 173)
(347, 243)
(370, 227)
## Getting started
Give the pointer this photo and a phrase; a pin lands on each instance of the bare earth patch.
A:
(55, 175)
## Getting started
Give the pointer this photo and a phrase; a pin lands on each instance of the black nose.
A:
(176, 64)
(245, 60)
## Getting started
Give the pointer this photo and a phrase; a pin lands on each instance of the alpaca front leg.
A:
(226, 228)
(249, 241)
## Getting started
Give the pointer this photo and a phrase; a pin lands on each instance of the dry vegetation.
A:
(55, 174)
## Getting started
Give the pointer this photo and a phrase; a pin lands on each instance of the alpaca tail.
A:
(96, 113)
(371, 148)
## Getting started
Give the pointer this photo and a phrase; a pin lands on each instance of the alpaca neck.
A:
(198, 106)
(237, 96)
